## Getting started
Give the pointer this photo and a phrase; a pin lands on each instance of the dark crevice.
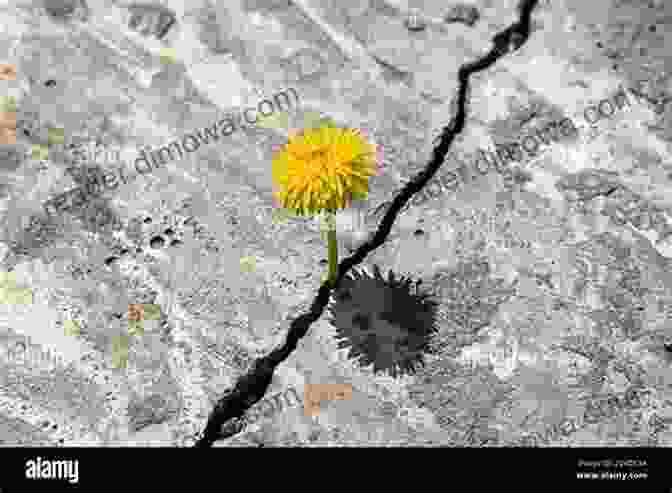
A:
(251, 387)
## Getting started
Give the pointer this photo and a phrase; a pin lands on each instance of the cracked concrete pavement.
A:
(555, 338)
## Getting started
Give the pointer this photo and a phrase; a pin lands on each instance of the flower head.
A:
(323, 168)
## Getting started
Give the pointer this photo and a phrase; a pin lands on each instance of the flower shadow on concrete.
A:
(386, 322)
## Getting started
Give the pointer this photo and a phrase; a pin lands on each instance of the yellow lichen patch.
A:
(168, 55)
(248, 264)
(136, 328)
(7, 278)
(71, 328)
(7, 104)
(151, 311)
(11, 294)
(55, 136)
(17, 296)
(39, 152)
(120, 349)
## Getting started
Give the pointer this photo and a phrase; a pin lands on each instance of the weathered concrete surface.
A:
(554, 287)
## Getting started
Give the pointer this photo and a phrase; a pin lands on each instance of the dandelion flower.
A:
(321, 170)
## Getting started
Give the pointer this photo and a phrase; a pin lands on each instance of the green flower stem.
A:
(333, 255)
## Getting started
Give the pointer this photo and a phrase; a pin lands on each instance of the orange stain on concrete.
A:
(136, 312)
(7, 71)
(315, 394)
(8, 127)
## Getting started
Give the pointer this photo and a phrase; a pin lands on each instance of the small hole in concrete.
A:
(157, 242)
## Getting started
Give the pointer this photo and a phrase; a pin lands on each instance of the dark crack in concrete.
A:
(251, 387)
